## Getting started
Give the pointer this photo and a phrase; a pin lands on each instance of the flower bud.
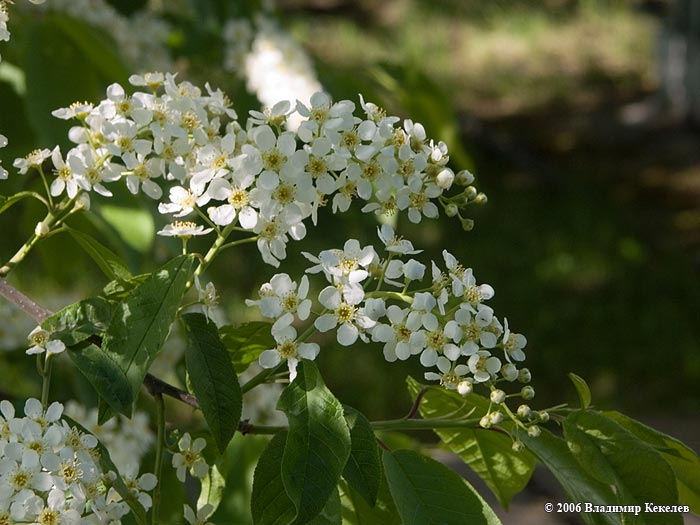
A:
(481, 198)
(467, 225)
(498, 396)
(509, 372)
(544, 416)
(518, 446)
(465, 388)
(445, 179)
(451, 209)
(464, 178)
(83, 202)
(527, 392)
(524, 411)
(41, 229)
(470, 193)
(485, 422)
(534, 431)
(524, 376)
(495, 417)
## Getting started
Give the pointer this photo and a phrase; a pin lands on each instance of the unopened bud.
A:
(518, 446)
(527, 392)
(481, 198)
(445, 179)
(83, 202)
(524, 411)
(451, 209)
(465, 388)
(485, 422)
(498, 396)
(470, 193)
(467, 225)
(41, 229)
(534, 431)
(524, 376)
(544, 416)
(464, 178)
(496, 418)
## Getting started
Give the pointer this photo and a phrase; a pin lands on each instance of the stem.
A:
(46, 185)
(160, 409)
(220, 240)
(46, 384)
(241, 241)
(261, 377)
(424, 424)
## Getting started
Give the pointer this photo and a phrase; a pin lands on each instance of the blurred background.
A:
(579, 118)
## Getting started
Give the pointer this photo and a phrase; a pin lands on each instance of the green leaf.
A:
(269, 502)
(332, 513)
(640, 472)
(110, 264)
(134, 225)
(7, 202)
(584, 393)
(141, 322)
(119, 289)
(78, 321)
(212, 378)
(318, 442)
(363, 471)
(427, 492)
(683, 460)
(65, 60)
(578, 485)
(103, 373)
(489, 454)
(246, 342)
(212, 490)
(137, 510)
(356, 511)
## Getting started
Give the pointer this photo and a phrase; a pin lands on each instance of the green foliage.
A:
(110, 264)
(426, 491)
(141, 322)
(616, 457)
(246, 342)
(363, 471)
(584, 393)
(578, 485)
(65, 60)
(683, 460)
(79, 321)
(134, 225)
(212, 377)
(356, 510)
(318, 444)
(489, 454)
(270, 504)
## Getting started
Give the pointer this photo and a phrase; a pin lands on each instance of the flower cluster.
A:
(260, 179)
(50, 472)
(445, 321)
(126, 439)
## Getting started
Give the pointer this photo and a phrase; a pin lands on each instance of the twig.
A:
(416, 403)
(29, 307)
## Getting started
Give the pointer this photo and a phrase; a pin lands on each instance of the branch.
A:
(29, 307)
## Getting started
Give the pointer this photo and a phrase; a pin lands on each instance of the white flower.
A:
(207, 297)
(395, 244)
(288, 348)
(190, 457)
(451, 375)
(345, 313)
(184, 230)
(513, 344)
(40, 341)
(33, 160)
(397, 335)
(282, 300)
(483, 365)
